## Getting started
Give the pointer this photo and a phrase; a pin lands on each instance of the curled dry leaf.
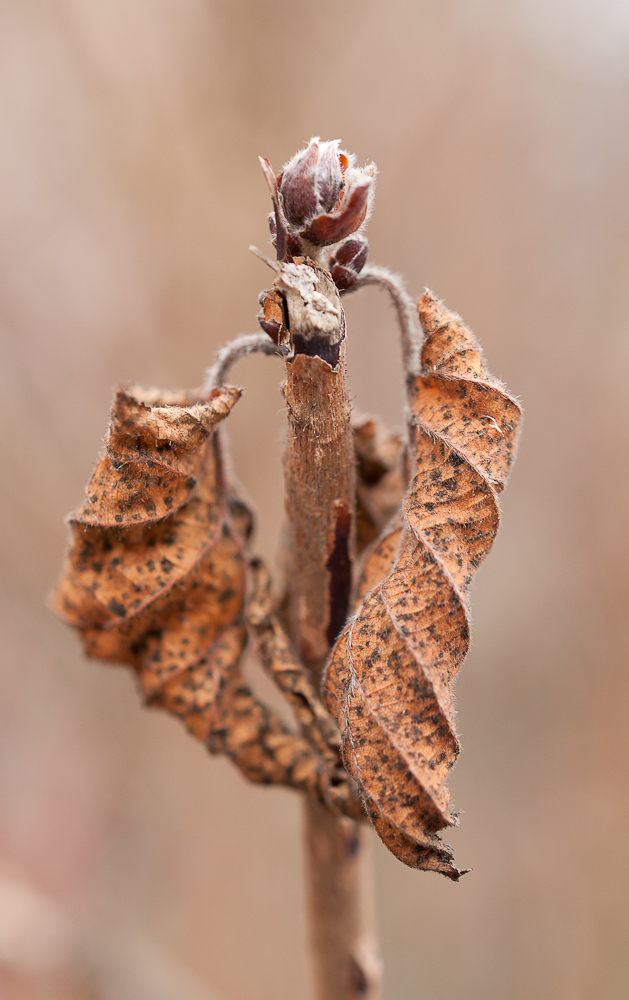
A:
(155, 578)
(259, 743)
(389, 678)
(155, 575)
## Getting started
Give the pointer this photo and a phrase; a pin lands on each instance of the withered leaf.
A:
(259, 743)
(165, 444)
(155, 576)
(292, 678)
(390, 674)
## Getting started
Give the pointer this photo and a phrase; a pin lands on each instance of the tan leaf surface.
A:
(389, 679)
(259, 743)
(293, 679)
(155, 578)
(155, 575)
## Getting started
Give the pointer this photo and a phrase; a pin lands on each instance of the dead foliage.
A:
(156, 577)
(390, 675)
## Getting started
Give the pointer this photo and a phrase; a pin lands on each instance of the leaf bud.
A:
(311, 181)
(350, 212)
(347, 261)
(319, 198)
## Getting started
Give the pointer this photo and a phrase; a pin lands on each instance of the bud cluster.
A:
(321, 202)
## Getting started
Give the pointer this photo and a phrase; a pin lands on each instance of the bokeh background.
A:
(129, 193)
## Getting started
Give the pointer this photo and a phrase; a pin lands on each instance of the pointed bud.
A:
(297, 187)
(328, 176)
(347, 261)
(312, 181)
(320, 198)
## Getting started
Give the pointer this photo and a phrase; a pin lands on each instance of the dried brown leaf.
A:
(259, 743)
(292, 678)
(165, 592)
(389, 679)
(155, 575)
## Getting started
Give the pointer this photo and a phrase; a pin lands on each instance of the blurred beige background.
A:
(129, 193)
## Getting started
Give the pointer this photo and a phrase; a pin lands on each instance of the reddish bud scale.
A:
(347, 261)
(320, 198)
(311, 182)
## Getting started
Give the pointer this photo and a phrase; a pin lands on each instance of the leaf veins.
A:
(390, 675)
(155, 578)
(155, 573)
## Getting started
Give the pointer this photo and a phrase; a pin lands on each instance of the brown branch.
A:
(320, 504)
(345, 951)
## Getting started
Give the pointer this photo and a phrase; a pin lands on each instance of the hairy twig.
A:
(235, 350)
(374, 274)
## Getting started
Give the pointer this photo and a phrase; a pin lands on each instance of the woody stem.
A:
(320, 491)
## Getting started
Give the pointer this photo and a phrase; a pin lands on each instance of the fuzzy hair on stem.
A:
(374, 274)
(235, 350)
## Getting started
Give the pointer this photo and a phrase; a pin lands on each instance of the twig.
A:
(374, 274)
(320, 504)
(240, 347)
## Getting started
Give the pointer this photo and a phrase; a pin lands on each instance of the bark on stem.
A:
(320, 504)
(344, 950)
(320, 500)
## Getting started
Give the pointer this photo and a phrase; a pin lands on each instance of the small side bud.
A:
(347, 261)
